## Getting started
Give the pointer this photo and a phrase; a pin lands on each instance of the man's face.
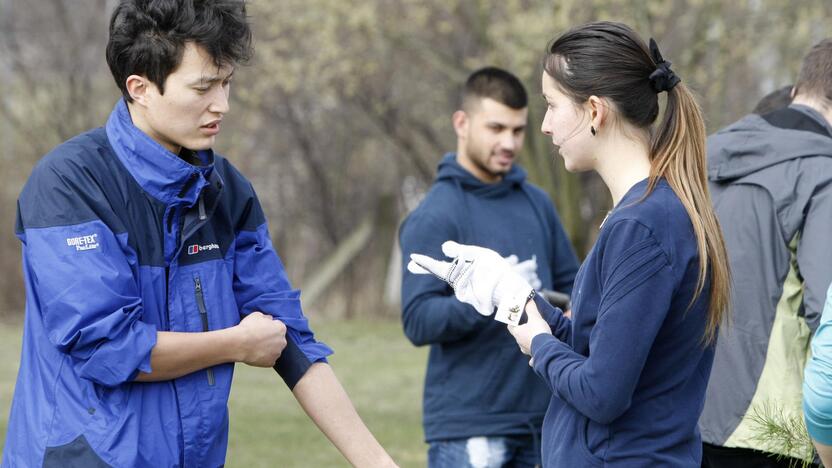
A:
(489, 135)
(195, 100)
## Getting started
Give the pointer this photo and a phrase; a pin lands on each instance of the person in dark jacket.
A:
(771, 178)
(149, 270)
(482, 406)
(627, 373)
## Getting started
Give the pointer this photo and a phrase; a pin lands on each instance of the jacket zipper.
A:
(203, 314)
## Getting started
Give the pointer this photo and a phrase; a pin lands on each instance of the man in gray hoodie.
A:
(771, 182)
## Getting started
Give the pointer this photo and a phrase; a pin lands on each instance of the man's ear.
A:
(138, 87)
(461, 122)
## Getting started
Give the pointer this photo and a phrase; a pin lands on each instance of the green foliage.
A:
(785, 436)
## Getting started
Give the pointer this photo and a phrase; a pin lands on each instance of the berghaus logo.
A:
(81, 243)
(195, 248)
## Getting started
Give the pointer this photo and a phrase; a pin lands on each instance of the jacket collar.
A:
(162, 174)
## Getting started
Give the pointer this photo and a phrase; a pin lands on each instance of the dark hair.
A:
(148, 37)
(815, 76)
(610, 61)
(775, 100)
(497, 84)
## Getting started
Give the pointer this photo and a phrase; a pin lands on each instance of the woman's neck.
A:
(623, 162)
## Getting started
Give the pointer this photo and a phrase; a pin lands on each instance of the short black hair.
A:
(497, 84)
(148, 37)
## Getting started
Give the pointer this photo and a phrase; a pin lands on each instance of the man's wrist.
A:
(235, 340)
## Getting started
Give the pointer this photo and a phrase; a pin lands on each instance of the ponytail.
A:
(677, 153)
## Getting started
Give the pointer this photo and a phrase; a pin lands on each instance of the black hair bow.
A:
(663, 78)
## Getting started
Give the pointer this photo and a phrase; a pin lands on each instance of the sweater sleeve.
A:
(560, 325)
(430, 312)
(636, 293)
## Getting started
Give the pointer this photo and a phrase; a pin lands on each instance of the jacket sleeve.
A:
(635, 299)
(261, 284)
(814, 257)
(81, 278)
(430, 312)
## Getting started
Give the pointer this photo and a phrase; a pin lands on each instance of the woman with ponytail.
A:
(628, 371)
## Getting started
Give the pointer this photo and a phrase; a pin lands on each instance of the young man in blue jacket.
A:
(149, 270)
(483, 405)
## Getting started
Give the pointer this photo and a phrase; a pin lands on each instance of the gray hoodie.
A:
(771, 183)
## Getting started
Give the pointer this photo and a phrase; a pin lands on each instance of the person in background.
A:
(775, 100)
(771, 179)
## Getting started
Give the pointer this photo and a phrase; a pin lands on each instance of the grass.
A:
(380, 369)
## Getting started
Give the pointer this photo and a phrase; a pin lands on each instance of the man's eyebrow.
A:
(211, 79)
(494, 123)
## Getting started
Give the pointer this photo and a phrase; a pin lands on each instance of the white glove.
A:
(480, 277)
(527, 269)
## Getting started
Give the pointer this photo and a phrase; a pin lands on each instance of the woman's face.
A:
(568, 124)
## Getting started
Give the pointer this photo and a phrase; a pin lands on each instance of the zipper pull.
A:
(197, 284)
(202, 215)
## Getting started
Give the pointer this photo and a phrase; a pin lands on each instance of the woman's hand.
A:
(480, 277)
(524, 334)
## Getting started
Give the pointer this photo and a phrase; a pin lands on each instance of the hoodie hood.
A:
(756, 142)
(450, 170)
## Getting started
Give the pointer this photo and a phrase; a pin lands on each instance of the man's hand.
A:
(527, 269)
(480, 277)
(261, 339)
(524, 334)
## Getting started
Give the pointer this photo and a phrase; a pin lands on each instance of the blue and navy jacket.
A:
(628, 372)
(477, 382)
(121, 239)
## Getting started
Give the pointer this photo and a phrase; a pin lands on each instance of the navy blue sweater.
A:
(628, 373)
(477, 382)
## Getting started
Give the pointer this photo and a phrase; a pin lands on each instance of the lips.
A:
(211, 128)
(505, 158)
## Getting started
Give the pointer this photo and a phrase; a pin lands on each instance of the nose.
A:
(545, 126)
(508, 141)
(219, 101)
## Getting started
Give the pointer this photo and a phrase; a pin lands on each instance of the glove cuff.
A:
(511, 308)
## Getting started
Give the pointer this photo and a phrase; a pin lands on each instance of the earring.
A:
(592, 130)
